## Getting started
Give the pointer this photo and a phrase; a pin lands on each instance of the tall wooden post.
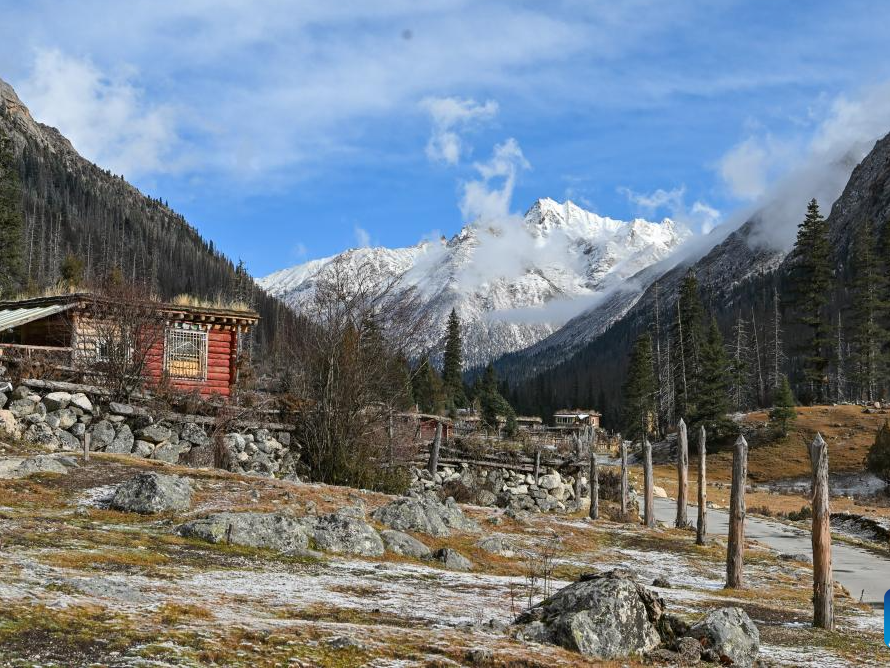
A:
(701, 527)
(537, 465)
(579, 457)
(594, 484)
(823, 581)
(682, 474)
(434, 453)
(624, 491)
(648, 484)
(735, 553)
(87, 437)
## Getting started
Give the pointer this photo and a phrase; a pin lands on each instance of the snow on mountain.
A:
(513, 283)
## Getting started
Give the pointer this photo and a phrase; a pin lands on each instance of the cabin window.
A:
(185, 354)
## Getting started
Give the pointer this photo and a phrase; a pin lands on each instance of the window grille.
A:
(185, 354)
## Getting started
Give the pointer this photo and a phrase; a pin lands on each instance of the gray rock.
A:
(152, 492)
(550, 481)
(344, 533)
(121, 409)
(271, 531)
(805, 558)
(39, 464)
(413, 514)
(102, 435)
(34, 418)
(603, 616)
(42, 434)
(55, 401)
(234, 442)
(154, 433)
(67, 440)
(21, 407)
(193, 434)
(78, 429)
(166, 452)
(143, 449)
(115, 419)
(9, 425)
(3, 399)
(452, 559)
(729, 636)
(64, 418)
(399, 542)
(283, 437)
(496, 545)
(21, 392)
(486, 498)
(123, 441)
(81, 401)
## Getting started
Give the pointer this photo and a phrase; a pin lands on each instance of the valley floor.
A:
(81, 585)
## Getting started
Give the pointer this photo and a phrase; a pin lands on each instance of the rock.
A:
(21, 392)
(805, 558)
(345, 642)
(659, 492)
(121, 409)
(102, 435)
(9, 425)
(39, 464)
(55, 401)
(284, 438)
(413, 514)
(152, 492)
(550, 481)
(729, 635)
(3, 399)
(81, 401)
(270, 531)
(234, 442)
(154, 433)
(67, 418)
(480, 656)
(344, 533)
(496, 545)
(603, 616)
(166, 452)
(661, 582)
(486, 498)
(452, 559)
(21, 407)
(399, 542)
(123, 442)
(42, 434)
(67, 440)
(143, 448)
(193, 434)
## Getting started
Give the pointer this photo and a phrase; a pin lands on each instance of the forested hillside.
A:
(63, 217)
(776, 316)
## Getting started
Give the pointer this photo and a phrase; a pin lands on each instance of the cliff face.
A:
(73, 207)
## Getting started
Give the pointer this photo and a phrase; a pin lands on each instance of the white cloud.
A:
(706, 215)
(450, 115)
(700, 216)
(482, 200)
(104, 115)
(362, 237)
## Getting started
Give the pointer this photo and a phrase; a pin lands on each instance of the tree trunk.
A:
(594, 484)
(537, 465)
(701, 527)
(579, 456)
(648, 484)
(624, 493)
(823, 582)
(735, 553)
(682, 475)
(434, 453)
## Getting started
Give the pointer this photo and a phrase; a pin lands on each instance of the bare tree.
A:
(775, 351)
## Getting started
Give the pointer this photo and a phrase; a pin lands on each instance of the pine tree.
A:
(11, 222)
(688, 340)
(452, 368)
(711, 398)
(868, 336)
(426, 387)
(492, 404)
(812, 283)
(741, 367)
(783, 415)
(640, 390)
(72, 270)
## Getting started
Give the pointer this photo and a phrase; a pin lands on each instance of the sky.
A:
(287, 131)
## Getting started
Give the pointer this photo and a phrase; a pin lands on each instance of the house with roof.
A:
(576, 419)
(188, 346)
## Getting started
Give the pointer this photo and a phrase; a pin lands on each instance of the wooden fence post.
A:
(823, 581)
(579, 456)
(735, 554)
(87, 438)
(648, 484)
(594, 482)
(682, 475)
(434, 453)
(537, 465)
(624, 492)
(701, 527)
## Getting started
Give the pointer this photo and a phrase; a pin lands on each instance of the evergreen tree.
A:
(711, 399)
(492, 405)
(812, 283)
(742, 366)
(11, 225)
(426, 388)
(72, 270)
(640, 391)
(878, 460)
(688, 340)
(783, 415)
(452, 367)
(868, 306)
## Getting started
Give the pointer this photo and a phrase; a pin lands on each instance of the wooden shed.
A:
(192, 348)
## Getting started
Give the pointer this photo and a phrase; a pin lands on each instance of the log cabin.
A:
(192, 348)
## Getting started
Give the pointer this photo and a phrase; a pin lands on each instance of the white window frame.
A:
(181, 334)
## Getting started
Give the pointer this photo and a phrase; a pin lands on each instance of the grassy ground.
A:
(84, 586)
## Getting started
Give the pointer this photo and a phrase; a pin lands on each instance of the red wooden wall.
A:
(221, 353)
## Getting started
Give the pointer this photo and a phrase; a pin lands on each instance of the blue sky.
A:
(291, 130)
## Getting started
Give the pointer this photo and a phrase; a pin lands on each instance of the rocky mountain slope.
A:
(514, 283)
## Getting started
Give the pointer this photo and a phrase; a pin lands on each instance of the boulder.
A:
(152, 492)
(154, 433)
(424, 514)
(727, 636)
(42, 434)
(67, 440)
(123, 441)
(39, 464)
(21, 407)
(659, 492)
(270, 531)
(82, 402)
(143, 449)
(166, 452)
(486, 498)
(344, 533)
(121, 409)
(193, 434)
(399, 542)
(604, 616)
(66, 418)
(452, 559)
(9, 425)
(102, 435)
(55, 401)
(550, 481)
(496, 545)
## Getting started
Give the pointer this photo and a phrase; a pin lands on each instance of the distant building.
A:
(193, 348)
(576, 419)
